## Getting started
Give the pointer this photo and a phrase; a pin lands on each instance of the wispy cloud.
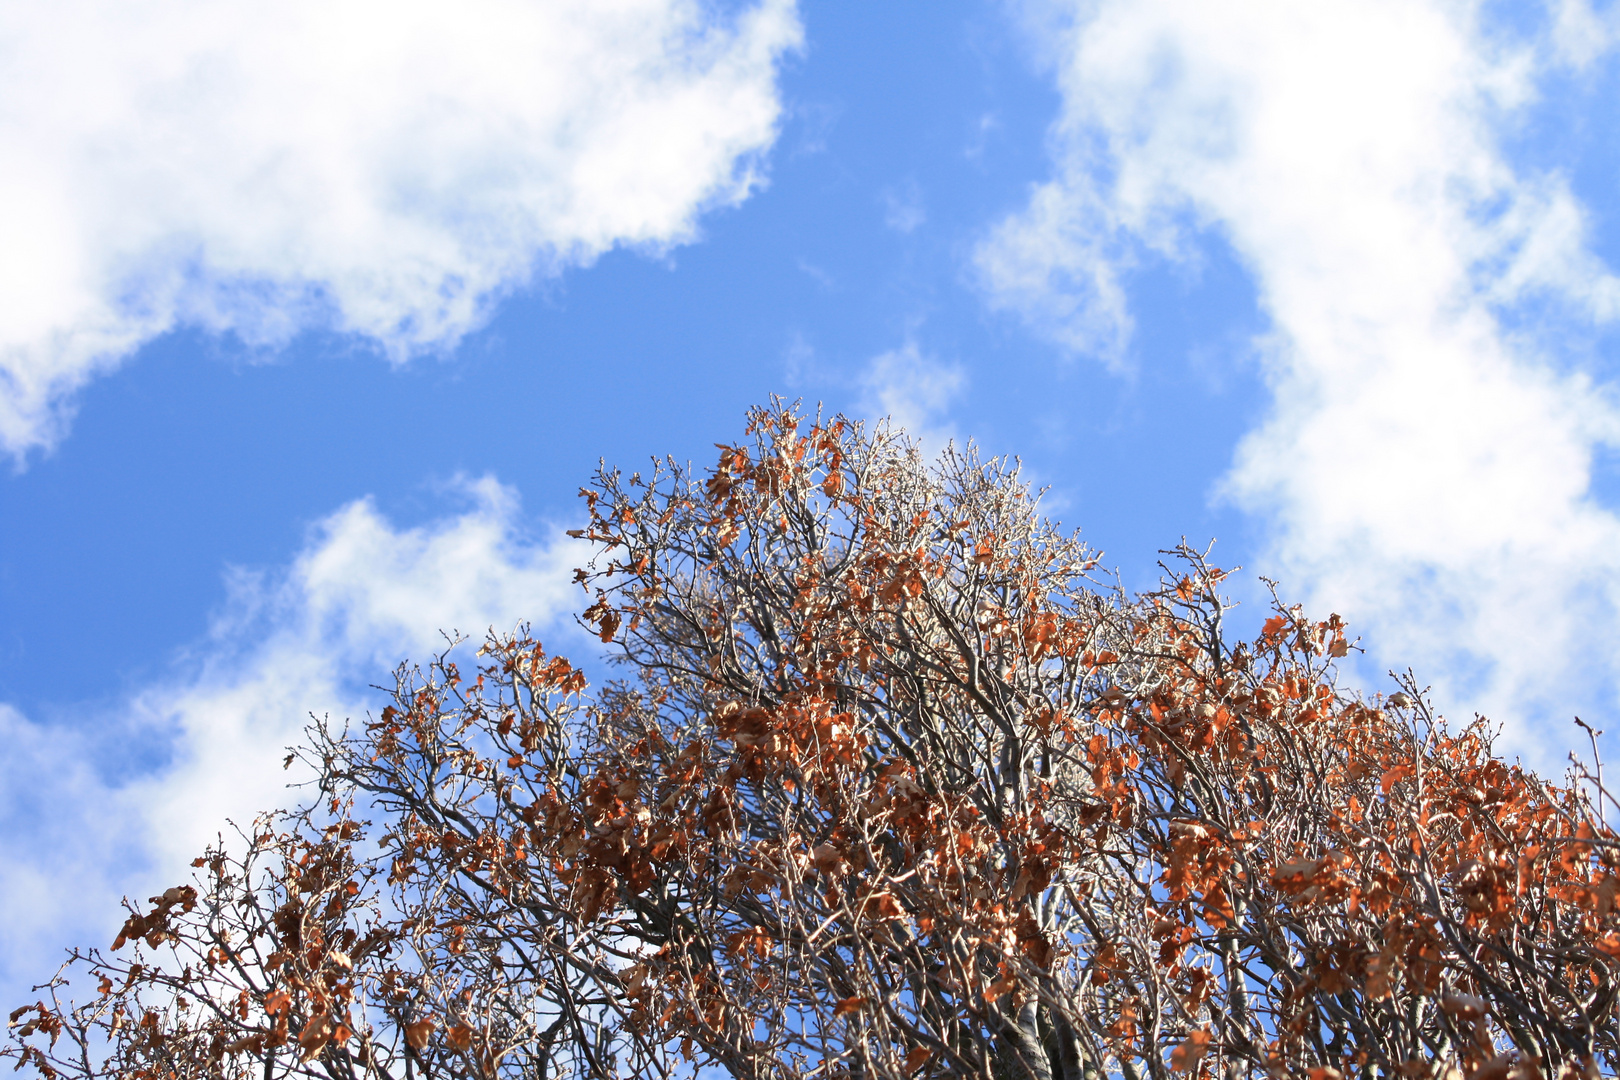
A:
(361, 597)
(1426, 464)
(386, 170)
(903, 209)
(914, 391)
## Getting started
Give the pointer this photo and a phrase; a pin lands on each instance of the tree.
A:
(894, 785)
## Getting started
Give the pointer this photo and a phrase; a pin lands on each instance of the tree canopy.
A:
(892, 783)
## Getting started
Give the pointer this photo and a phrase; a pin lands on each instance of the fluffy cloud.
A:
(1426, 465)
(359, 599)
(386, 170)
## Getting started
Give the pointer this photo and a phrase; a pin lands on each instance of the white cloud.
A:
(361, 597)
(1579, 34)
(914, 392)
(386, 170)
(64, 846)
(1058, 265)
(903, 209)
(1426, 465)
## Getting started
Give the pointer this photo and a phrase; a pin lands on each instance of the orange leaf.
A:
(418, 1033)
(1003, 985)
(1186, 1057)
(313, 1039)
(884, 905)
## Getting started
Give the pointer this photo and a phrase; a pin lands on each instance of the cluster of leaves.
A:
(894, 787)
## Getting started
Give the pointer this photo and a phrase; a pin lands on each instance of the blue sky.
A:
(313, 321)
